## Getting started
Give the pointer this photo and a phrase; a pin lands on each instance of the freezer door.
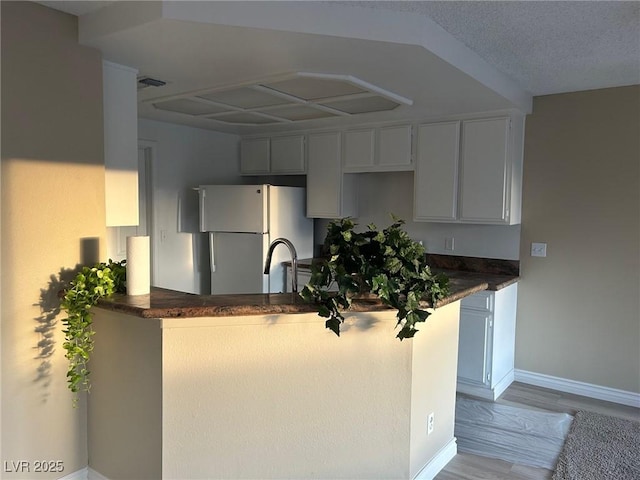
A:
(234, 208)
(237, 263)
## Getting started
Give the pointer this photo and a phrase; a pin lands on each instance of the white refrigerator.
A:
(242, 221)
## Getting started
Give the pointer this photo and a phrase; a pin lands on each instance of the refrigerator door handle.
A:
(202, 193)
(212, 258)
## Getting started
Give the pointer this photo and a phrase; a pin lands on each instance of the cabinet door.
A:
(485, 183)
(474, 348)
(436, 176)
(394, 148)
(324, 176)
(359, 150)
(254, 156)
(287, 155)
(120, 144)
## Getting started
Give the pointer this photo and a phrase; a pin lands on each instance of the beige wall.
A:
(125, 405)
(286, 400)
(52, 212)
(271, 396)
(578, 308)
(301, 403)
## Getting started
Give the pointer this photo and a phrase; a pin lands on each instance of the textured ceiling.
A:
(545, 46)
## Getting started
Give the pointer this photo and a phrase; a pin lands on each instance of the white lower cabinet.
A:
(486, 349)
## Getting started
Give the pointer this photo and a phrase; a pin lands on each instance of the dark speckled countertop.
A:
(467, 275)
(163, 303)
(497, 273)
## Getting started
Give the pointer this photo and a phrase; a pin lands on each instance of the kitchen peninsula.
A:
(254, 386)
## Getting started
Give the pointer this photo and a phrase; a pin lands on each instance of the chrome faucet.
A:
(294, 261)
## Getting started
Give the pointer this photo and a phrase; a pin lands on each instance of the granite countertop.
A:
(163, 303)
(497, 273)
(467, 275)
(494, 282)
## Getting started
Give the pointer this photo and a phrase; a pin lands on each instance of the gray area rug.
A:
(599, 447)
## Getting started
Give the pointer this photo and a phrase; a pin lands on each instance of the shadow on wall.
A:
(189, 222)
(188, 211)
(49, 303)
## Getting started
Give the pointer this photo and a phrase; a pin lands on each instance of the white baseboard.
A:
(78, 475)
(438, 462)
(475, 391)
(93, 475)
(484, 391)
(607, 394)
(503, 384)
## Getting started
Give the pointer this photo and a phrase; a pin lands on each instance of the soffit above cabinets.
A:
(236, 66)
(291, 98)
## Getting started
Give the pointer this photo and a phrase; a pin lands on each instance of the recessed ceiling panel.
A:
(190, 107)
(363, 105)
(295, 98)
(245, 98)
(314, 88)
(299, 112)
(244, 118)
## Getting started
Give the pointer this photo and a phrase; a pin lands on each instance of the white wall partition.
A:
(185, 157)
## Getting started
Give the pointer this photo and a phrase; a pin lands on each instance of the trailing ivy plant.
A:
(89, 285)
(387, 263)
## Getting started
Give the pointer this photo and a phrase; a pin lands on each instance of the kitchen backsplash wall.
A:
(379, 195)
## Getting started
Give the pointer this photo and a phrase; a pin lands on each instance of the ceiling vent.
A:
(293, 98)
(144, 82)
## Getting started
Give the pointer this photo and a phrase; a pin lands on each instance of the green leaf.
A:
(85, 290)
(333, 324)
(406, 333)
(388, 262)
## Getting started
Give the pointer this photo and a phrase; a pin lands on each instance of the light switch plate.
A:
(538, 249)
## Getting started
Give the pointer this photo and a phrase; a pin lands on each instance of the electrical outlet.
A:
(449, 243)
(538, 249)
(430, 422)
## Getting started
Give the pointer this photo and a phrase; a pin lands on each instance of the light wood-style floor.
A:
(473, 467)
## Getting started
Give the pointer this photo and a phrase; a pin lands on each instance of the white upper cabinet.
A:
(359, 150)
(254, 156)
(485, 171)
(381, 149)
(120, 110)
(394, 148)
(470, 171)
(276, 155)
(330, 193)
(436, 175)
(287, 155)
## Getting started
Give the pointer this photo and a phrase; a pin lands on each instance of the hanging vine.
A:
(88, 286)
